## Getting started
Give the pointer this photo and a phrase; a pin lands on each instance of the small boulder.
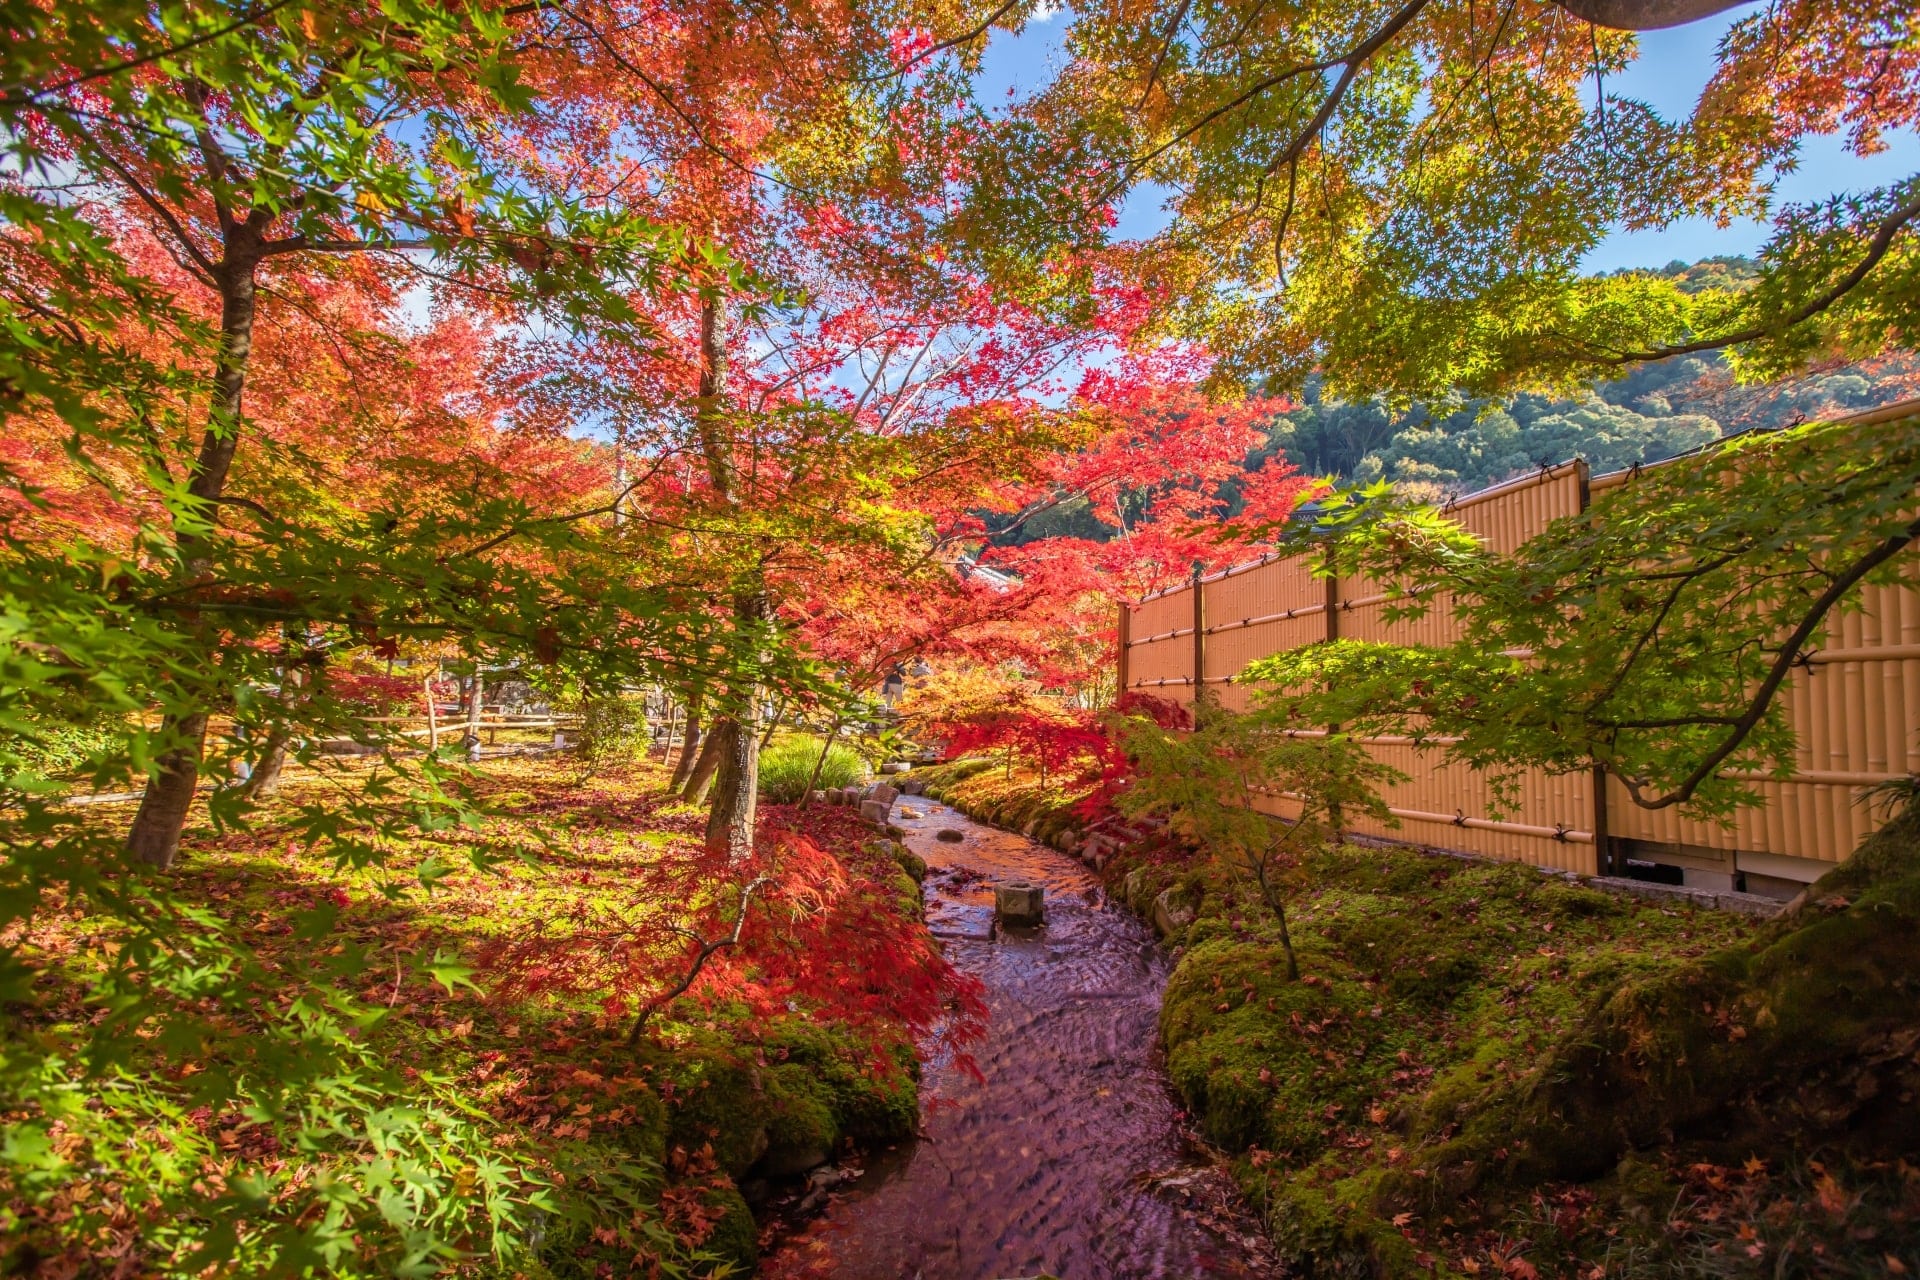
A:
(950, 835)
(1019, 902)
(873, 811)
(790, 1160)
(913, 787)
(1172, 912)
(882, 792)
(895, 766)
(816, 797)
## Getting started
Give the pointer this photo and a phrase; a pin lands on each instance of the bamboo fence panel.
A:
(1160, 647)
(1266, 607)
(1854, 705)
(1855, 710)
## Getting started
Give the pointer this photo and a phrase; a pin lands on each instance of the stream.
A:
(1068, 1158)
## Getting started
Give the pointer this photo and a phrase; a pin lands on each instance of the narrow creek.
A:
(1068, 1157)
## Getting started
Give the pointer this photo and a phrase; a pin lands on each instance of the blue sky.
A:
(1673, 67)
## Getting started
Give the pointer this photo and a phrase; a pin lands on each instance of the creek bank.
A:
(1488, 1071)
(1058, 1148)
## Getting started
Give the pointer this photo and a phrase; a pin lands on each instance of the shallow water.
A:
(1068, 1157)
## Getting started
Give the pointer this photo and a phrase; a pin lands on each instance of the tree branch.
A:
(1352, 60)
(965, 37)
(1783, 665)
(707, 951)
(1877, 249)
(13, 97)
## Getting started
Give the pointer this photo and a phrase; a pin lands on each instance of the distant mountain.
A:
(1653, 412)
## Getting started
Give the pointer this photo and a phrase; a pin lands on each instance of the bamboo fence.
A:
(1854, 706)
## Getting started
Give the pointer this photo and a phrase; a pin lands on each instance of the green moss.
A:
(910, 862)
(871, 1102)
(717, 1095)
(1468, 1035)
(735, 1238)
(801, 1112)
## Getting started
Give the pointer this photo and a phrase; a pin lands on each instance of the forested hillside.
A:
(1655, 411)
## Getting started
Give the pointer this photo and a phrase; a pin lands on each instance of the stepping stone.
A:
(1020, 902)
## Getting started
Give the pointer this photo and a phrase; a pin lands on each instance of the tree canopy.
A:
(1400, 195)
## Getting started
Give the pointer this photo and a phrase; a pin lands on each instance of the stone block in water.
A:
(874, 811)
(1019, 902)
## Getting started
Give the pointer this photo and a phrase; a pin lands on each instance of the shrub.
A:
(55, 746)
(613, 730)
(787, 766)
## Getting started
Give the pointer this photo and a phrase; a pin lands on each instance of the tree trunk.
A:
(689, 744)
(773, 725)
(735, 800)
(433, 717)
(820, 761)
(1286, 943)
(266, 775)
(737, 797)
(736, 793)
(1645, 15)
(476, 695)
(712, 751)
(299, 669)
(154, 837)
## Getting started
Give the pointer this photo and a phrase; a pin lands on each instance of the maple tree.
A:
(1398, 195)
(237, 479)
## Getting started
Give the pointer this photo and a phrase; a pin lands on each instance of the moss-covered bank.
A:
(1485, 1070)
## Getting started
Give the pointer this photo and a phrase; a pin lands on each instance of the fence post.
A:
(1336, 820)
(1602, 842)
(1126, 639)
(1333, 599)
(1199, 637)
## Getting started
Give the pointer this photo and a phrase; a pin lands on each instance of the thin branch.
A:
(1350, 70)
(1877, 249)
(1783, 665)
(1166, 50)
(205, 264)
(12, 98)
(693, 125)
(707, 951)
(1351, 62)
(940, 47)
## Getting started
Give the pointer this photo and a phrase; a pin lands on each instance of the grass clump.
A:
(786, 768)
